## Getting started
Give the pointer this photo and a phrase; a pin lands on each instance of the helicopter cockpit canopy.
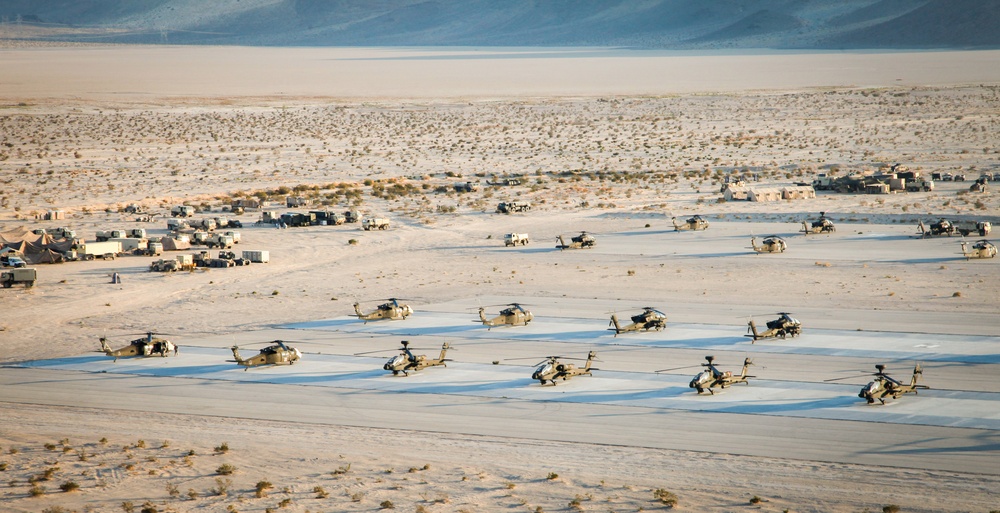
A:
(542, 369)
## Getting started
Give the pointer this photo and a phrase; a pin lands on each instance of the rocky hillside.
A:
(678, 24)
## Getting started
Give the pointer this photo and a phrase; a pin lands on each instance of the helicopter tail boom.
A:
(236, 354)
(752, 327)
(614, 322)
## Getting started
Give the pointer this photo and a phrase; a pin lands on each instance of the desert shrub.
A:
(224, 448)
(225, 469)
(891, 508)
(552, 476)
(69, 486)
(37, 490)
(755, 500)
(666, 497)
(221, 486)
(320, 492)
(387, 505)
(262, 488)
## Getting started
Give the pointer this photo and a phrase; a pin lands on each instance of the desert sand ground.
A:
(605, 142)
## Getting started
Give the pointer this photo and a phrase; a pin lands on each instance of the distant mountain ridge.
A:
(673, 24)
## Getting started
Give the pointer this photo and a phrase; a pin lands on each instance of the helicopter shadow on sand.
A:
(184, 370)
(988, 441)
(430, 331)
(60, 362)
(630, 398)
(867, 237)
(772, 408)
(319, 379)
(937, 260)
(720, 343)
(320, 324)
(108, 271)
(470, 389)
(524, 249)
(718, 255)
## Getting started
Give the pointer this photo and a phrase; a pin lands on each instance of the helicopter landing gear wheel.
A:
(395, 373)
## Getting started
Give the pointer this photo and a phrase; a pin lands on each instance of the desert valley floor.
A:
(334, 432)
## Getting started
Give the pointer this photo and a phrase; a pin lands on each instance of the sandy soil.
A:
(615, 157)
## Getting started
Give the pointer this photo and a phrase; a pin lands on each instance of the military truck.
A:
(234, 234)
(208, 224)
(25, 275)
(352, 216)
(466, 187)
(62, 233)
(182, 211)
(164, 266)
(175, 225)
(134, 246)
(199, 237)
(238, 261)
(136, 233)
(920, 184)
(153, 249)
(508, 207)
(91, 250)
(981, 228)
(106, 235)
(298, 219)
(221, 240)
(513, 239)
(375, 223)
(328, 217)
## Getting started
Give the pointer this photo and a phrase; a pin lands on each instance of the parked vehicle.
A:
(375, 223)
(26, 276)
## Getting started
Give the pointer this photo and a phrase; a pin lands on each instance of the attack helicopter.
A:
(821, 225)
(693, 223)
(275, 354)
(712, 377)
(942, 227)
(515, 315)
(980, 249)
(550, 369)
(784, 326)
(884, 386)
(406, 361)
(391, 310)
(771, 244)
(582, 241)
(649, 319)
(144, 347)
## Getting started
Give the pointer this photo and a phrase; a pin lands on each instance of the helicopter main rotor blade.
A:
(679, 368)
(848, 377)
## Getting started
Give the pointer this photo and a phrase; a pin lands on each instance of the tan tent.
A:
(171, 244)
